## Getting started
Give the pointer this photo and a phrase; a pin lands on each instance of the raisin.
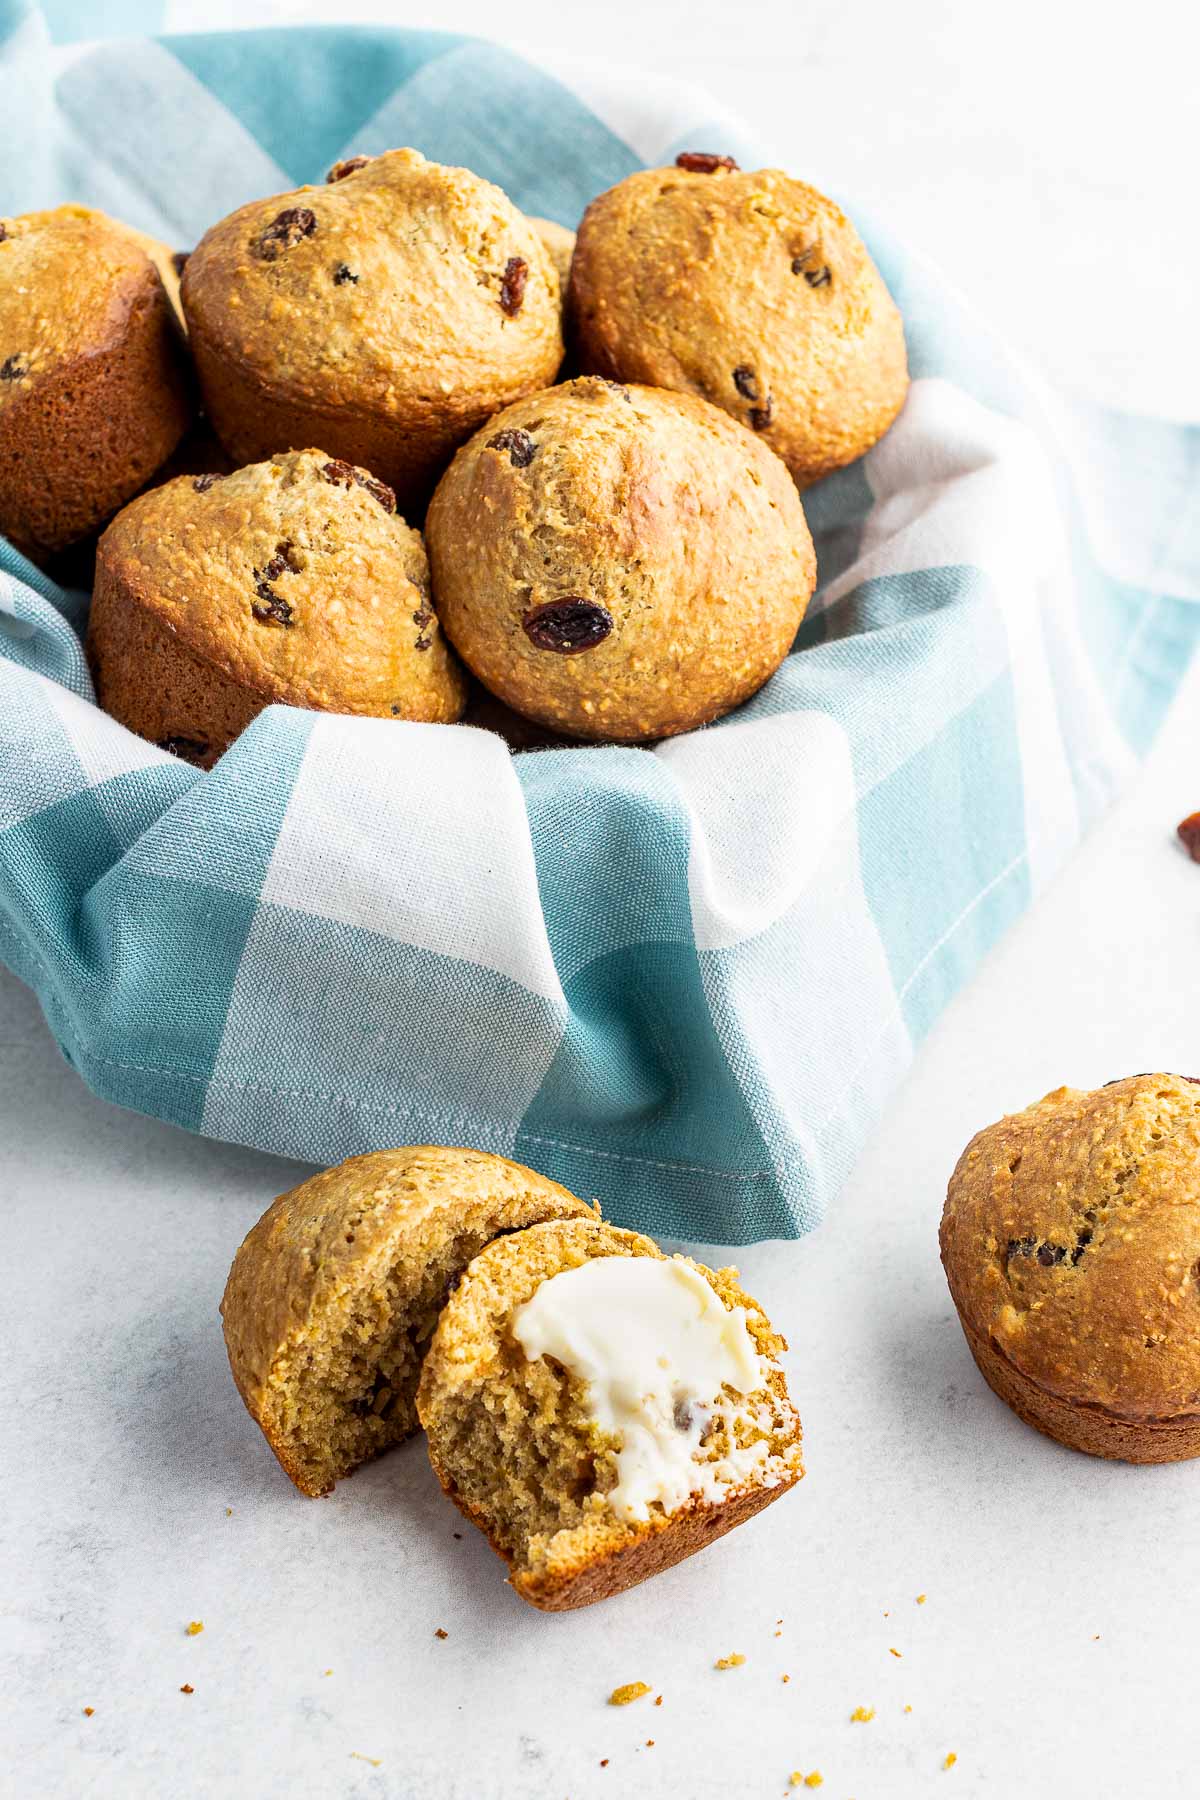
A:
(1188, 829)
(818, 277)
(520, 446)
(342, 274)
(272, 608)
(378, 490)
(746, 382)
(761, 416)
(179, 260)
(423, 617)
(344, 474)
(340, 170)
(13, 369)
(512, 286)
(682, 1416)
(285, 231)
(703, 162)
(568, 627)
(202, 483)
(1050, 1255)
(189, 749)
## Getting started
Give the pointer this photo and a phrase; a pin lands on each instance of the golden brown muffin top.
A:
(295, 578)
(750, 289)
(399, 277)
(607, 555)
(1071, 1240)
(68, 281)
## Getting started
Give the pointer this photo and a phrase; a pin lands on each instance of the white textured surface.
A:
(1045, 159)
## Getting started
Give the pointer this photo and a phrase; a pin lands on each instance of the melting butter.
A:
(657, 1349)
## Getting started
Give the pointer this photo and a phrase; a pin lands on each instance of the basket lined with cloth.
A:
(682, 979)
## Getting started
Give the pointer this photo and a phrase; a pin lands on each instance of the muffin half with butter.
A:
(1071, 1243)
(291, 581)
(601, 1410)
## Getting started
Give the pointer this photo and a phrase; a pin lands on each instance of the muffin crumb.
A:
(729, 1662)
(862, 1715)
(195, 1627)
(632, 1690)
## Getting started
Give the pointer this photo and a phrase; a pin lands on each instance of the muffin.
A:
(601, 1410)
(93, 384)
(1071, 1243)
(560, 247)
(384, 316)
(751, 290)
(290, 581)
(334, 1295)
(618, 563)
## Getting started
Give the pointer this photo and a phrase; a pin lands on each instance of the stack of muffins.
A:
(615, 558)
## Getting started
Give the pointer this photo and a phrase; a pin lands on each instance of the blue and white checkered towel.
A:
(682, 979)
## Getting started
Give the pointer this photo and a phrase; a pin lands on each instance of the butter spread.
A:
(657, 1349)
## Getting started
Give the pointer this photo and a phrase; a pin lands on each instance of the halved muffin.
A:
(601, 1410)
(334, 1294)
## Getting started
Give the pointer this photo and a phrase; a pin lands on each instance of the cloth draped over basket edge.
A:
(683, 980)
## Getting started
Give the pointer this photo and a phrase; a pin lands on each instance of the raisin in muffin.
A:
(384, 316)
(619, 563)
(601, 1410)
(94, 393)
(333, 1296)
(291, 580)
(751, 290)
(1071, 1243)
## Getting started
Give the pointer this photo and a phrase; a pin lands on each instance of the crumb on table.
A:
(921, 1599)
(632, 1690)
(195, 1627)
(88, 1711)
(951, 1759)
(862, 1715)
(730, 1662)
(375, 1761)
(441, 1633)
(814, 1778)
(892, 1651)
(187, 1688)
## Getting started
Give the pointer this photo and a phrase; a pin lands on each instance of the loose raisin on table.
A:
(340, 170)
(761, 416)
(13, 368)
(186, 748)
(1188, 829)
(342, 274)
(512, 285)
(746, 382)
(703, 162)
(567, 627)
(520, 446)
(286, 230)
(202, 483)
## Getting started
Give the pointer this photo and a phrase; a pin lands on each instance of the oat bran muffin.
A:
(1071, 1243)
(618, 563)
(289, 581)
(334, 1295)
(601, 1410)
(384, 316)
(94, 393)
(560, 247)
(747, 288)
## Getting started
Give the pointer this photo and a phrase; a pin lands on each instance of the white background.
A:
(1045, 154)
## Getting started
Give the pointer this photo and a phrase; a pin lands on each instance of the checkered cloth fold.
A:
(682, 979)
